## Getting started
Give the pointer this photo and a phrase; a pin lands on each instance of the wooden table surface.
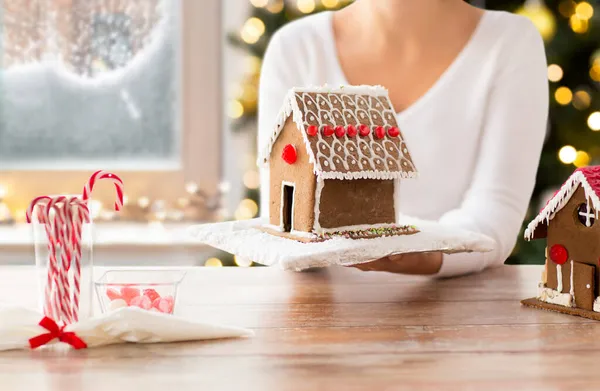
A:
(335, 329)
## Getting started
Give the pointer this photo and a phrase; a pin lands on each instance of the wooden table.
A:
(336, 329)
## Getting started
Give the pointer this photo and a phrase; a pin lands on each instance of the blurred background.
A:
(164, 93)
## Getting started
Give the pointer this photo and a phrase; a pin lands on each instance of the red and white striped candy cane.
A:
(58, 238)
(50, 297)
(78, 213)
(98, 175)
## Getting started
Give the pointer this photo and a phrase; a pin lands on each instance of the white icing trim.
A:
(302, 234)
(571, 289)
(559, 284)
(283, 185)
(359, 227)
(396, 198)
(597, 304)
(273, 227)
(367, 175)
(317, 210)
(561, 198)
(552, 296)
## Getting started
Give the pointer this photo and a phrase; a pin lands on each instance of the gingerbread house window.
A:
(585, 215)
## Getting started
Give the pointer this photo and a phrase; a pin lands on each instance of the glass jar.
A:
(63, 264)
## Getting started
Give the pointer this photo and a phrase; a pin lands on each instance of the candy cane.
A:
(98, 175)
(49, 309)
(77, 215)
(58, 237)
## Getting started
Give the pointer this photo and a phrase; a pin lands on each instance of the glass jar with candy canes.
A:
(62, 231)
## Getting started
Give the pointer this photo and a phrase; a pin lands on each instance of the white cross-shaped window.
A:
(586, 215)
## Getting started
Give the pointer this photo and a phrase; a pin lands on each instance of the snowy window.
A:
(89, 81)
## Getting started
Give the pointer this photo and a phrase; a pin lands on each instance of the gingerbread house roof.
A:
(347, 153)
(588, 178)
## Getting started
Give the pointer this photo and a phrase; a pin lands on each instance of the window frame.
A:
(200, 120)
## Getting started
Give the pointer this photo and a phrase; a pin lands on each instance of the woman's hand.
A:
(413, 263)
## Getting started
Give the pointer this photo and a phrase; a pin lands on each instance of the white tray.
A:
(241, 238)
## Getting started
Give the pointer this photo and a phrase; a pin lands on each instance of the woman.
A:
(471, 93)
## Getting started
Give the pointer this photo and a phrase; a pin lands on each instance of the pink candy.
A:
(147, 299)
(141, 301)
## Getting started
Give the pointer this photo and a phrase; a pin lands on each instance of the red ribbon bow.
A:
(54, 333)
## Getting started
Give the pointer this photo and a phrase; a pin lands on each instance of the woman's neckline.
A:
(438, 84)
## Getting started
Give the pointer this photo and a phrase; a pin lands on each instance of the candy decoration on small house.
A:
(568, 222)
(335, 156)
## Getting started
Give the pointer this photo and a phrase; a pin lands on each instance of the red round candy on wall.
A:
(328, 131)
(393, 131)
(340, 131)
(364, 130)
(351, 131)
(380, 132)
(559, 254)
(289, 154)
(312, 130)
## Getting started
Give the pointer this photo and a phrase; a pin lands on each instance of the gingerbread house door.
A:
(584, 285)
(287, 206)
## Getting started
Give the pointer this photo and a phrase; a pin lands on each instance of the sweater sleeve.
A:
(278, 75)
(509, 151)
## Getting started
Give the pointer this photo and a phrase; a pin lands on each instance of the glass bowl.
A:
(152, 290)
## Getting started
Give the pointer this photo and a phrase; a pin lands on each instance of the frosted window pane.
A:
(87, 80)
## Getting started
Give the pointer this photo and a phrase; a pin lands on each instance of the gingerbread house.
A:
(568, 222)
(335, 158)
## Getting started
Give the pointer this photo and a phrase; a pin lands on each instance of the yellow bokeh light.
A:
(252, 30)
(563, 95)
(306, 6)
(242, 262)
(595, 72)
(555, 72)
(578, 25)
(593, 121)
(247, 209)
(581, 100)
(330, 3)
(584, 10)
(3, 192)
(275, 7)
(236, 109)
(253, 64)
(542, 18)
(259, 3)
(567, 8)
(582, 159)
(567, 154)
(213, 262)
(251, 180)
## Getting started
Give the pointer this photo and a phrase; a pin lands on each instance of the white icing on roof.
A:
(563, 195)
(346, 157)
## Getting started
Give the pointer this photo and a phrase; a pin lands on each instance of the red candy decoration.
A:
(113, 294)
(340, 131)
(559, 254)
(351, 131)
(380, 132)
(151, 294)
(312, 130)
(393, 131)
(289, 154)
(364, 130)
(328, 131)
